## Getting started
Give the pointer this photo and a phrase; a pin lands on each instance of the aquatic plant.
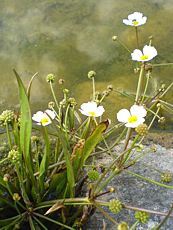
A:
(55, 180)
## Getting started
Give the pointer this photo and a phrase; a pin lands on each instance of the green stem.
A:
(93, 82)
(133, 227)
(146, 86)
(53, 221)
(137, 36)
(8, 136)
(53, 94)
(138, 92)
(165, 219)
(150, 180)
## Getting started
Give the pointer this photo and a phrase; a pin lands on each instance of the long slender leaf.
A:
(25, 129)
(93, 140)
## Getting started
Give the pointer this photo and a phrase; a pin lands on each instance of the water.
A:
(71, 37)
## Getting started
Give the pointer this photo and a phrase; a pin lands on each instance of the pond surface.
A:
(71, 37)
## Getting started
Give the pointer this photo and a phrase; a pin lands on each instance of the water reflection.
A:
(71, 37)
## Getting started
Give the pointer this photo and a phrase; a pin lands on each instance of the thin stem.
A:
(150, 180)
(8, 136)
(137, 36)
(163, 64)
(165, 219)
(146, 86)
(93, 82)
(138, 91)
(122, 44)
(53, 94)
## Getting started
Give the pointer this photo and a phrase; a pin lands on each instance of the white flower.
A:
(133, 118)
(135, 19)
(43, 118)
(90, 109)
(149, 52)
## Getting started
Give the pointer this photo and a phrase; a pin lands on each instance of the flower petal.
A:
(50, 113)
(38, 116)
(127, 22)
(138, 110)
(149, 51)
(100, 111)
(123, 115)
(136, 55)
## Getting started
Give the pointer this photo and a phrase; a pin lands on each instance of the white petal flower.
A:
(135, 19)
(91, 109)
(133, 118)
(149, 52)
(44, 118)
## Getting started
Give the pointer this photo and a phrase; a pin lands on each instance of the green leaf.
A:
(30, 84)
(9, 220)
(93, 140)
(70, 173)
(25, 129)
(58, 183)
(45, 160)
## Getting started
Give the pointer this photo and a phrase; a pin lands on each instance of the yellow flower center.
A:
(135, 23)
(132, 119)
(93, 114)
(144, 57)
(44, 120)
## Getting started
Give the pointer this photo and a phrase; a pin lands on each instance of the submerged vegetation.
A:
(52, 179)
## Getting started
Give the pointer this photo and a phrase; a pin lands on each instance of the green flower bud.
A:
(50, 78)
(93, 175)
(161, 120)
(72, 101)
(65, 91)
(115, 206)
(166, 177)
(110, 87)
(91, 74)
(123, 226)
(142, 129)
(6, 177)
(35, 139)
(14, 156)
(148, 67)
(51, 104)
(142, 216)
(6, 117)
(114, 38)
(61, 81)
(16, 197)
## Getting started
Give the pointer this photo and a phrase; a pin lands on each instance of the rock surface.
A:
(139, 193)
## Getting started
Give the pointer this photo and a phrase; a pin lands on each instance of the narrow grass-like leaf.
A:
(25, 129)
(93, 140)
(30, 84)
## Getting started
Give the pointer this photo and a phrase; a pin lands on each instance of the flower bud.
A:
(50, 78)
(110, 87)
(14, 156)
(16, 197)
(35, 139)
(161, 120)
(72, 101)
(91, 74)
(136, 70)
(142, 129)
(115, 206)
(51, 104)
(6, 117)
(122, 226)
(61, 81)
(142, 216)
(6, 178)
(166, 177)
(65, 91)
(148, 67)
(114, 38)
(93, 175)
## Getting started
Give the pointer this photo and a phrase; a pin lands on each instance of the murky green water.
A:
(71, 37)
